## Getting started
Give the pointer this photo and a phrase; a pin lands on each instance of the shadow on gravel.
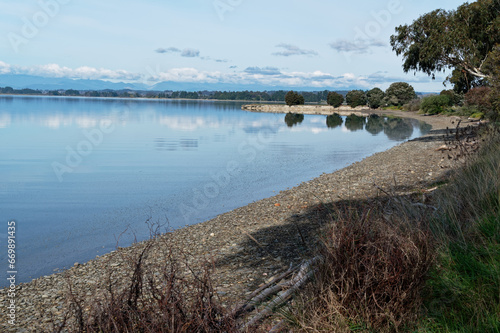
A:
(297, 239)
(434, 135)
(283, 244)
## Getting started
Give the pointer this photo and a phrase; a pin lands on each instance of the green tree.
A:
(355, 98)
(492, 67)
(375, 98)
(293, 98)
(8, 90)
(71, 92)
(463, 81)
(399, 93)
(335, 99)
(462, 40)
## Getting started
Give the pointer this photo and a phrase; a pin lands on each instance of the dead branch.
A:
(287, 289)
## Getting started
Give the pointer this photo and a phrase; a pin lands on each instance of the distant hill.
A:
(194, 86)
(19, 81)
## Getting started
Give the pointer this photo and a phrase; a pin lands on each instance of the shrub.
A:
(151, 301)
(477, 115)
(455, 99)
(356, 98)
(413, 105)
(435, 104)
(335, 99)
(372, 274)
(480, 98)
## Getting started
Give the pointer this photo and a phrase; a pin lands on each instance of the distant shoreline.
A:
(362, 111)
(149, 99)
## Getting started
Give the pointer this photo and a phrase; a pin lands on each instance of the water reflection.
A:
(375, 124)
(292, 119)
(396, 129)
(163, 144)
(334, 120)
(354, 123)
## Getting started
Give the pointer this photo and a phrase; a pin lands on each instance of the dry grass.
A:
(374, 269)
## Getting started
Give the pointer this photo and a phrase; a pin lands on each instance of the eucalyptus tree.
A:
(463, 40)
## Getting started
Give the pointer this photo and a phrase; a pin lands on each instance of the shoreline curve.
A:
(250, 244)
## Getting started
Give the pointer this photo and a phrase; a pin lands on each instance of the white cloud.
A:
(262, 71)
(5, 120)
(84, 72)
(292, 50)
(190, 53)
(359, 46)
(188, 75)
(168, 50)
(4, 68)
(268, 75)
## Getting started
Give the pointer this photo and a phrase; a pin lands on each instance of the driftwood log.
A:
(277, 292)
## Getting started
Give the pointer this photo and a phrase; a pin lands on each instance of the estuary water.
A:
(80, 176)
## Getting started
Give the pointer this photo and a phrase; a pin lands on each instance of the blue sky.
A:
(314, 43)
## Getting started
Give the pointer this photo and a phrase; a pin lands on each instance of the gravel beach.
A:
(248, 245)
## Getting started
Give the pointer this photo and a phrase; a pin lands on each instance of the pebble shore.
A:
(250, 244)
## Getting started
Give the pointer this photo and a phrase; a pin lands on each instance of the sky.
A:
(320, 44)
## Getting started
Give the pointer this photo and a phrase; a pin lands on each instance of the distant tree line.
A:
(398, 94)
(265, 96)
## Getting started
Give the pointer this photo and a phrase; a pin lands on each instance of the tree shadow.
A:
(434, 135)
(297, 238)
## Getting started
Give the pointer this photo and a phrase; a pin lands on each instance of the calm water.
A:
(76, 173)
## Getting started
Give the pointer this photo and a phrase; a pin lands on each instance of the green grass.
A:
(393, 107)
(458, 291)
(463, 291)
(464, 285)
